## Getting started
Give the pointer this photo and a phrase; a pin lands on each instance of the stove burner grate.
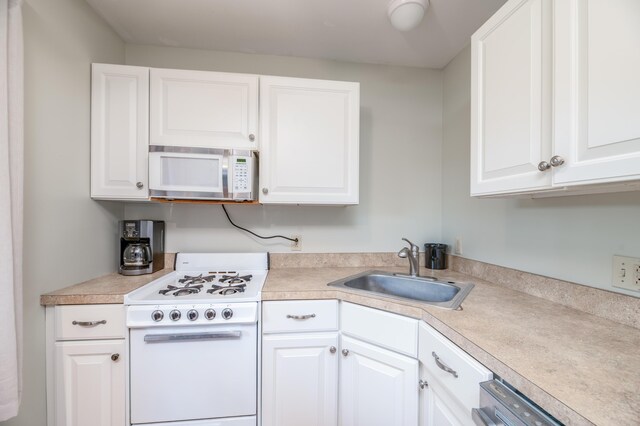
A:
(235, 279)
(227, 290)
(189, 280)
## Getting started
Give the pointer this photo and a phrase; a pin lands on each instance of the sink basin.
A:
(445, 294)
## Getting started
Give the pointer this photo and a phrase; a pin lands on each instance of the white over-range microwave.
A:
(202, 173)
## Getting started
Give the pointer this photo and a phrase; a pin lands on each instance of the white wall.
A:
(571, 238)
(400, 143)
(68, 237)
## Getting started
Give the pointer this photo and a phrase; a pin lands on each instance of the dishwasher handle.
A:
(183, 337)
(481, 419)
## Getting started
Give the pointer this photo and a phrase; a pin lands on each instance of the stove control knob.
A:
(157, 316)
(192, 315)
(210, 314)
(175, 315)
(227, 313)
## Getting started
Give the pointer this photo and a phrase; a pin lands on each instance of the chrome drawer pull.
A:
(88, 323)
(155, 338)
(444, 366)
(301, 317)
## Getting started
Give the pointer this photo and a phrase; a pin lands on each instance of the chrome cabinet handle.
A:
(115, 357)
(345, 352)
(156, 338)
(444, 366)
(88, 323)
(265, 191)
(543, 166)
(301, 317)
(332, 349)
(556, 161)
(252, 137)
(139, 185)
(423, 384)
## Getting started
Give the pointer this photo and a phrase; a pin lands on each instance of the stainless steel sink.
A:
(445, 294)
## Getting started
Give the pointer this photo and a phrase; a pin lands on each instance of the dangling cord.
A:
(295, 240)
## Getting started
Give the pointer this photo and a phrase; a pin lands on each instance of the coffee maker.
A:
(141, 249)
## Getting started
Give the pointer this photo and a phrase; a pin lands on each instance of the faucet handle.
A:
(413, 246)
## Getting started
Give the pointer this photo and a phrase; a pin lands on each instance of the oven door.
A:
(176, 172)
(193, 372)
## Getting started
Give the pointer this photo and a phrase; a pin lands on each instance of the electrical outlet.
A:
(296, 245)
(457, 248)
(626, 273)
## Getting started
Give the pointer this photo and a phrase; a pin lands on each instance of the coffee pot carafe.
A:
(137, 254)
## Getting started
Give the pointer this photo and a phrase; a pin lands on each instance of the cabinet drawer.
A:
(84, 322)
(465, 374)
(299, 315)
(392, 331)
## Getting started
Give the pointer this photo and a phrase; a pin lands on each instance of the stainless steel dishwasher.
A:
(501, 406)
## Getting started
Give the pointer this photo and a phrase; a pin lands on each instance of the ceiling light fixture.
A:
(405, 15)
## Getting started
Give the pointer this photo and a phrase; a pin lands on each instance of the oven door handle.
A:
(182, 337)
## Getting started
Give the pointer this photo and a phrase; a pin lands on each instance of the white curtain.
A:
(11, 189)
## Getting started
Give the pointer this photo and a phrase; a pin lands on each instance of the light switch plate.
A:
(626, 273)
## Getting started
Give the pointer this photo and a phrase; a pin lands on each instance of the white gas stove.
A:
(200, 317)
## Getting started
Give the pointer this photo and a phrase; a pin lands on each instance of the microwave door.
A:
(188, 175)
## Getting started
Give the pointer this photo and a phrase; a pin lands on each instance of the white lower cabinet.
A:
(378, 387)
(300, 379)
(86, 365)
(451, 380)
(387, 370)
(90, 383)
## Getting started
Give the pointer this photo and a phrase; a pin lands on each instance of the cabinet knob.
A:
(265, 191)
(345, 352)
(115, 357)
(556, 161)
(139, 185)
(252, 137)
(543, 166)
(423, 384)
(332, 349)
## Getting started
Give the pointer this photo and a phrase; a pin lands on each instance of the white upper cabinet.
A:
(555, 98)
(510, 131)
(119, 132)
(204, 109)
(597, 90)
(309, 150)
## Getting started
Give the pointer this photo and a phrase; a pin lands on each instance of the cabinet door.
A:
(597, 92)
(300, 379)
(90, 385)
(204, 109)
(510, 99)
(119, 131)
(378, 387)
(310, 141)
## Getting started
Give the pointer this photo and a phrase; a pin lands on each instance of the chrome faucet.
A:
(412, 252)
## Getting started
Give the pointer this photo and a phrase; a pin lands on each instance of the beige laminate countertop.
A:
(107, 289)
(581, 368)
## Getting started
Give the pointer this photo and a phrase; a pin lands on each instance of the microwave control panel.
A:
(241, 174)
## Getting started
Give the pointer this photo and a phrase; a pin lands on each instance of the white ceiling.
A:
(345, 30)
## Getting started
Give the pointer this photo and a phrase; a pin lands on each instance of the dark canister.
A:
(435, 256)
